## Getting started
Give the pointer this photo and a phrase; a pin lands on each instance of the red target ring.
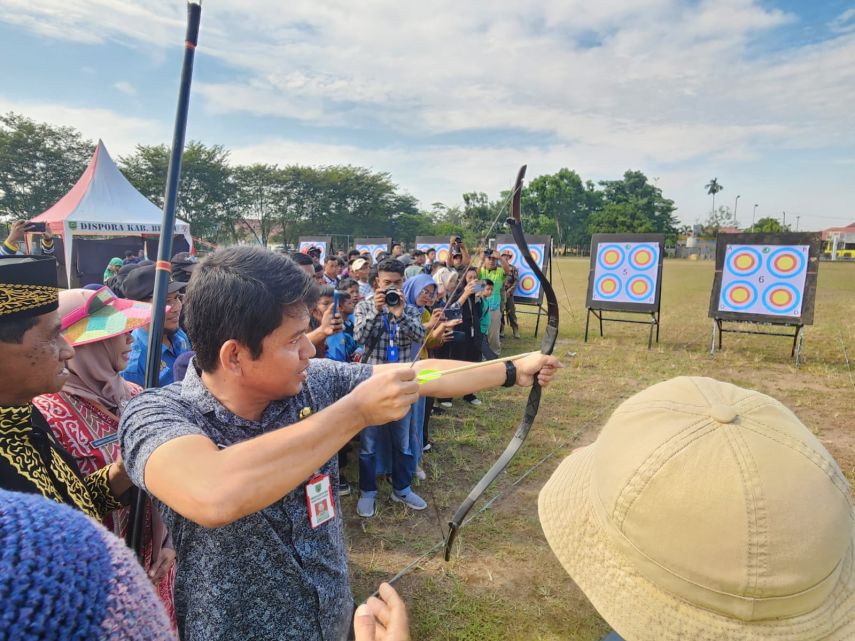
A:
(528, 284)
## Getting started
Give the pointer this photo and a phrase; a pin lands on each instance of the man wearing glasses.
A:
(139, 285)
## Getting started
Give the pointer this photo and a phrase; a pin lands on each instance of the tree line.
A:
(265, 203)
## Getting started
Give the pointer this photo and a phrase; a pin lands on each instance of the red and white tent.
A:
(104, 203)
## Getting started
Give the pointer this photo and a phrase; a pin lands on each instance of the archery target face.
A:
(441, 250)
(306, 244)
(626, 272)
(527, 286)
(764, 279)
(372, 248)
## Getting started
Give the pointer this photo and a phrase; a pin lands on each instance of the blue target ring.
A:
(607, 249)
(738, 271)
(775, 271)
(640, 297)
(727, 293)
(794, 302)
(604, 294)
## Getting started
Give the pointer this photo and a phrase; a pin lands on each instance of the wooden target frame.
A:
(760, 249)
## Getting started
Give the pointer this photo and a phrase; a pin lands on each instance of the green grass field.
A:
(503, 581)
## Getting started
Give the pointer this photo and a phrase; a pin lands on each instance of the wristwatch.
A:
(510, 374)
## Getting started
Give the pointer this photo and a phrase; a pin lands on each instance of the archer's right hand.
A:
(387, 396)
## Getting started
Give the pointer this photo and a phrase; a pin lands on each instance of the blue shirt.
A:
(135, 371)
(341, 347)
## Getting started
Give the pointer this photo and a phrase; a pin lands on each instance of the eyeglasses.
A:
(98, 301)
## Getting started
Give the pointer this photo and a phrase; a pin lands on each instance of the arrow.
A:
(427, 375)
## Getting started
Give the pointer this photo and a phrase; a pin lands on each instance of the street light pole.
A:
(785, 219)
(753, 216)
(735, 205)
(797, 222)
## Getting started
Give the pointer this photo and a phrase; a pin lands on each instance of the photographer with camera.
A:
(12, 245)
(389, 329)
(458, 255)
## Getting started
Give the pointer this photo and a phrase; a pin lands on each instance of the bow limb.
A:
(533, 403)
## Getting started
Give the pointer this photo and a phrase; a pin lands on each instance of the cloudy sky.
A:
(452, 96)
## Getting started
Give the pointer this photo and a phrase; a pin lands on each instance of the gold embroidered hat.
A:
(707, 512)
(28, 286)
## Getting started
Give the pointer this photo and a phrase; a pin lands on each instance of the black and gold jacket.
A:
(32, 461)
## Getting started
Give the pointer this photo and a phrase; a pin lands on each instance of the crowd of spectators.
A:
(274, 368)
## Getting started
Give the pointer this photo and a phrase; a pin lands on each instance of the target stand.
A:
(626, 276)
(528, 291)
(764, 280)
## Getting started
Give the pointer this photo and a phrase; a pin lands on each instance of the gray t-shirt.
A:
(268, 576)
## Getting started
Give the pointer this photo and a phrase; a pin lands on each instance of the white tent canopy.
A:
(104, 203)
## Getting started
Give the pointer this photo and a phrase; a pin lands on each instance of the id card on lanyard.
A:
(392, 346)
(319, 500)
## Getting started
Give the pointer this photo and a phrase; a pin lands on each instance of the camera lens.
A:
(392, 297)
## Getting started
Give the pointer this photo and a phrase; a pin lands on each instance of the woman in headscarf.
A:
(421, 292)
(84, 416)
(113, 268)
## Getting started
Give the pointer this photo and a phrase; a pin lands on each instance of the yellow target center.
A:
(611, 257)
(781, 297)
(744, 262)
(786, 263)
(639, 287)
(608, 286)
(739, 295)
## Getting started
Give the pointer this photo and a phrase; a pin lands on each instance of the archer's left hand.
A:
(540, 365)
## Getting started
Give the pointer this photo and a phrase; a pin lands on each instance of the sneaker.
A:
(365, 506)
(428, 446)
(446, 404)
(343, 488)
(474, 401)
(516, 333)
(411, 500)
(420, 473)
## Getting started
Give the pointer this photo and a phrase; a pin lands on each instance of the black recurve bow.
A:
(533, 403)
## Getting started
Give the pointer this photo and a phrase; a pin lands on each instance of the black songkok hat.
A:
(28, 286)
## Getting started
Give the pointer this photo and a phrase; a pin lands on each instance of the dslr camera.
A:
(392, 297)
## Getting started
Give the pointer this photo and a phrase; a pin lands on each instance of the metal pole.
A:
(753, 216)
(785, 220)
(735, 205)
(163, 266)
(797, 222)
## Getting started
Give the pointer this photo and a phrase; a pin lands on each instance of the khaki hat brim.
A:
(639, 610)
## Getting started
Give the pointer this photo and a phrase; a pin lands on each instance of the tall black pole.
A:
(163, 266)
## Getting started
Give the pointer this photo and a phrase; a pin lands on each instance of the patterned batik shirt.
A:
(32, 461)
(268, 576)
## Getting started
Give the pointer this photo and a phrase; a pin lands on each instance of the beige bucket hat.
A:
(706, 512)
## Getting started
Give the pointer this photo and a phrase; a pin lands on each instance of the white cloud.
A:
(119, 133)
(125, 87)
(678, 88)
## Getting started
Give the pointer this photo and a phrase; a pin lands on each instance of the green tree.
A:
(633, 205)
(39, 163)
(561, 205)
(207, 193)
(713, 187)
(262, 200)
(769, 226)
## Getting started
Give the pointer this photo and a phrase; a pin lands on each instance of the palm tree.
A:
(713, 187)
